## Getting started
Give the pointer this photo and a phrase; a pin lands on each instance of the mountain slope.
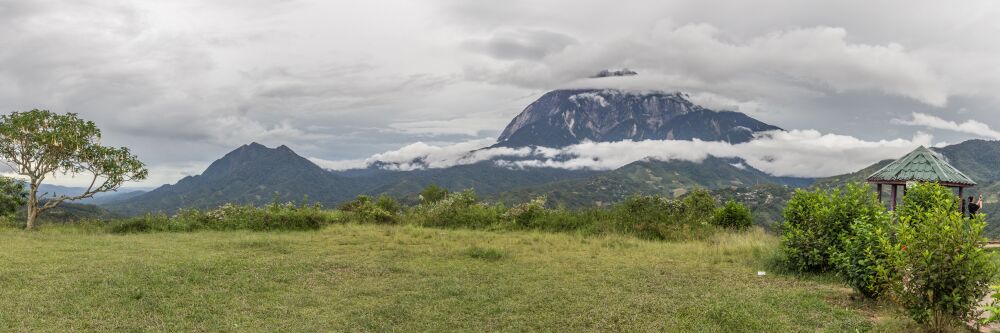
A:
(484, 177)
(671, 178)
(565, 117)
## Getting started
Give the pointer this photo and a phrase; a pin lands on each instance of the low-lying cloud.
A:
(796, 153)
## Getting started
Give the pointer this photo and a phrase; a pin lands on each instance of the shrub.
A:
(865, 259)
(656, 217)
(362, 209)
(526, 214)
(699, 206)
(944, 267)
(733, 215)
(456, 210)
(815, 222)
(389, 204)
(432, 194)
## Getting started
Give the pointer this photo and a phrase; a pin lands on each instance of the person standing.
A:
(975, 206)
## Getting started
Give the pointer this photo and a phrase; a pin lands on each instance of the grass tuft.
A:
(485, 253)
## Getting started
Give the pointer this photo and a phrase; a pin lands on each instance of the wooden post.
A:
(893, 196)
(878, 187)
(961, 199)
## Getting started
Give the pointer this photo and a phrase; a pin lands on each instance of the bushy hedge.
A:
(648, 217)
(230, 217)
(695, 216)
(383, 210)
(815, 222)
(733, 215)
(865, 258)
(455, 210)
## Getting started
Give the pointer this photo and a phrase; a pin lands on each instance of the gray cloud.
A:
(183, 82)
(521, 44)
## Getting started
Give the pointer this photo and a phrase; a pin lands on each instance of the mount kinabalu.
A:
(566, 117)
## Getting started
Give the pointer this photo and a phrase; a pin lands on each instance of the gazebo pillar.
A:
(961, 199)
(878, 187)
(893, 197)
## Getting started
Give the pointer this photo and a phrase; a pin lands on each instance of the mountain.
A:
(251, 174)
(566, 117)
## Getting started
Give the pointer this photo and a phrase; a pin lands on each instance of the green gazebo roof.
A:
(921, 165)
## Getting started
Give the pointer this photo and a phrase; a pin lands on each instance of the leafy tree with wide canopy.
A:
(39, 143)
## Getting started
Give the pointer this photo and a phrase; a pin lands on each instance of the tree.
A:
(39, 143)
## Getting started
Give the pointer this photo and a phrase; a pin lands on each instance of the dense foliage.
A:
(864, 260)
(432, 194)
(733, 215)
(816, 221)
(944, 267)
(12, 197)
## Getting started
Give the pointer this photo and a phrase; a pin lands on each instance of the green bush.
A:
(816, 221)
(733, 215)
(456, 210)
(944, 267)
(389, 204)
(657, 217)
(364, 210)
(12, 197)
(527, 214)
(864, 260)
(432, 194)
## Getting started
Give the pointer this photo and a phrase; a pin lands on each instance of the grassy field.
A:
(388, 278)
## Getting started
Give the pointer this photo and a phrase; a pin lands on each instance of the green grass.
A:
(392, 278)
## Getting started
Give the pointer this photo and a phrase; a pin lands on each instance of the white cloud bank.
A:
(969, 126)
(797, 153)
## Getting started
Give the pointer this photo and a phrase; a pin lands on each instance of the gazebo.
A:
(920, 165)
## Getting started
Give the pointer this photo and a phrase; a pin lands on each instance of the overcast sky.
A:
(184, 82)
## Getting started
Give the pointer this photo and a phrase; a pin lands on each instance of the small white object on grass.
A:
(761, 273)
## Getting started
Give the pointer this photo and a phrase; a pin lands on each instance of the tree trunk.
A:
(32, 206)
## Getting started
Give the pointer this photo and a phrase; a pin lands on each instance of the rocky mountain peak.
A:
(565, 117)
